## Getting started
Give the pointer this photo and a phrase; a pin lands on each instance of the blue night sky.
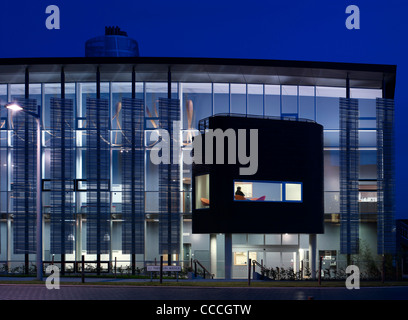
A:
(287, 30)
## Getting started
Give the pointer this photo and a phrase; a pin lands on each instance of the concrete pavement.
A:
(123, 292)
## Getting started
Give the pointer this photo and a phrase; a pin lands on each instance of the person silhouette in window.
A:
(239, 192)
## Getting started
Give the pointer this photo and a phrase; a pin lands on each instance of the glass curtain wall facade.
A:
(192, 102)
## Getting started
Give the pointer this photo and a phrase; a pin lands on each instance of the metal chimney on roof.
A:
(112, 31)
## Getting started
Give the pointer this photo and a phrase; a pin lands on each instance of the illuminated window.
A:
(241, 258)
(202, 191)
(269, 191)
(293, 192)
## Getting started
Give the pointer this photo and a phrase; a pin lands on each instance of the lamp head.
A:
(14, 107)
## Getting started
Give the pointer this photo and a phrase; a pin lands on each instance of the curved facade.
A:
(104, 197)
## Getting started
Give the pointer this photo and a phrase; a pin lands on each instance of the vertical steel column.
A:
(63, 176)
(62, 83)
(26, 138)
(169, 178)
(312, 255)
(169, 173)
(228, 256)
(39, 257)
(133, 83)
(213, 253)
(27, 84)
(133, 176)
(98, 177)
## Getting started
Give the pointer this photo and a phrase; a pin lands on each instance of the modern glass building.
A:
(104, 198)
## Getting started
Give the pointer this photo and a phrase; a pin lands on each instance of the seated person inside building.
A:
(239, 195)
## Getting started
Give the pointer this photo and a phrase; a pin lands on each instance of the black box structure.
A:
(284, 195)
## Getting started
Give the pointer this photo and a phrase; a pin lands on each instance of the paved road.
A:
(101, 292)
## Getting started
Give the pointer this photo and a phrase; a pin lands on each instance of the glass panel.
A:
(368, 124)
(3, 170)
(255, 239)
(331, 138)
(3, 91)
(197, 99)
(368, 164)
(293, 192)
(3, 101)
(18, 90)
(367, 107)
(289, 99)
(152, 201)
(307, 103)
(273, 239)
(53, 90)
(272, 100)
(365, 93)
(81, 199)
(367, 138)
(155, 91)
(328, 112)
(116, 168)
(202, 196)
(367, 196)
(331, 170)
(3, 201)
(331, 92)
(121, 90)
(238, 98)
(289, 239)
(255, 99)
(152, 174)
(332, 202)
(88, 90)
(46, 160)
(239, 238)
(221, 98)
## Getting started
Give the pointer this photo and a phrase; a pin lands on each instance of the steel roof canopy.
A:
(287, 72)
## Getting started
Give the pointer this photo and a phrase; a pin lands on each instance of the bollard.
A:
(320, 270)
(195, 269)
(161, 269)
(249, 272)
(115, 267)
(383, 269)
(83, 269)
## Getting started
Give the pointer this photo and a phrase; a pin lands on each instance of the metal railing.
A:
(205, 271)
(264, 270)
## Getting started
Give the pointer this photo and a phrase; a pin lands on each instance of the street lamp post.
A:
(39, 255)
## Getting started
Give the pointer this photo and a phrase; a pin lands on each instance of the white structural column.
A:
(213, 254)
(312, 255)
(228, 256)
